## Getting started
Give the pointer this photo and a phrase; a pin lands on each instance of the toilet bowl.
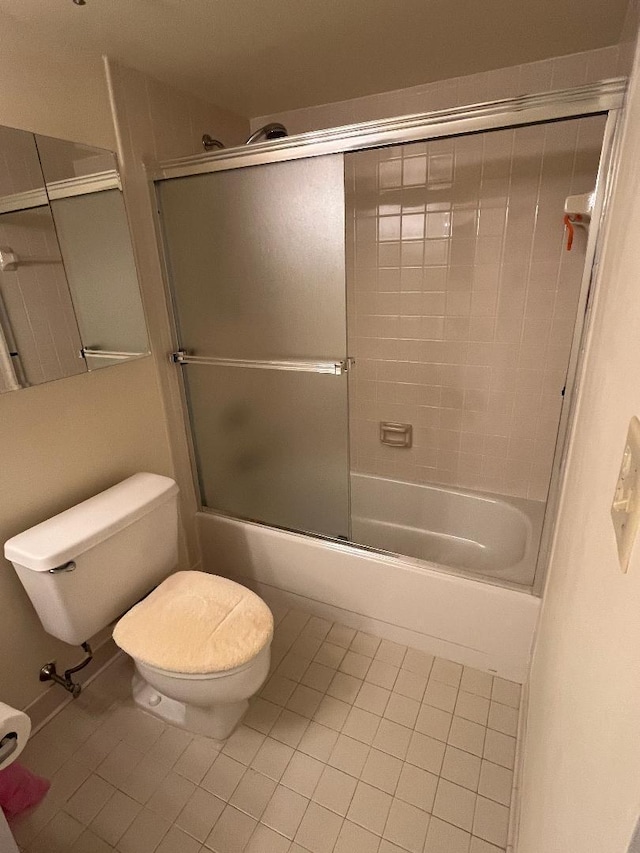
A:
(210, 704)
(202, 647)
(201, 643)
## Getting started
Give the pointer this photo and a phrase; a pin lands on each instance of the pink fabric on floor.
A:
(20, 789)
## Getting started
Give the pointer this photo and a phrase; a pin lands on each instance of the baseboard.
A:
(55, 698)
(518, 769)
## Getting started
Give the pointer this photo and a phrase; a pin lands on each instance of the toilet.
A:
(201, 644)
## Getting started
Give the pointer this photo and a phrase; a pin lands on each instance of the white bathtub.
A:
(454, 615)
(490, 535)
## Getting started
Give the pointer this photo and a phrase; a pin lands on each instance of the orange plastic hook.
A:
(568, 224)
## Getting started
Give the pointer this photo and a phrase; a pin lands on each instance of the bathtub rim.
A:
(413, 563)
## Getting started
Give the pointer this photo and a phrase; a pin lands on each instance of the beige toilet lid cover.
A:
(196, 623)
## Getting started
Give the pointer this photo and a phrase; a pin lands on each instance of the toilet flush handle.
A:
(65, 567)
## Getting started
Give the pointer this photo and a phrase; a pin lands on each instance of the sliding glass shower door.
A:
(256, 260)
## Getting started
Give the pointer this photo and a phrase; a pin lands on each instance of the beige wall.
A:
(64, 441)
(462, 302)
(544, 76)
(581, 785)
(154, 123)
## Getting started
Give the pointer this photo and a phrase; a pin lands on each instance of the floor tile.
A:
(446, 671)
(262, 715)
(467, 736)
(344, 687)
(472, 707)
(433, 722)
(318, 676)
(243, 744)
(454, 804)
(197, 759)
(115, 818)
(407, 826)
(443, 837)
(253, 793)
(332, 713)
(382, 674)
(356, 839)
(426, 752)
(177, 841)
(349, 755)
(369, 807)
(402, 710)
(223, 777)
(232, 831)
(417, 787)
(89, 799)
(303, 774)
(418, 662)
(171, 796)
(319, 829)
(503, 719)
(272, 758)
(145, 833)
(361, 725)
(355, 745)
(341, 636)
(491, 822)
(289, 728)
(365, 644)
(477, 682)
(506, 692)
(200, 814)
(265, 840)
(392, 738)
(318, 741)
(372, 698)
(382, 771)
(440, 695)
(330, 655)
(496, 783)
(285, 811)
(410, 684)
(500, 749)
(335, 790)
(391, 652)
(461, 767)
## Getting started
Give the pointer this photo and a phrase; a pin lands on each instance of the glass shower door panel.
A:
(256, 259)
(271, 445)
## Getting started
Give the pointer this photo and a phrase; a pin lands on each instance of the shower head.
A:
(275, 130)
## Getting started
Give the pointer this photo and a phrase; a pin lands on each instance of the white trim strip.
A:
(24, 200)
(528, 109)
(84, 184)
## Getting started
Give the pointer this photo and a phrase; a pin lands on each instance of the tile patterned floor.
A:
(355, 745)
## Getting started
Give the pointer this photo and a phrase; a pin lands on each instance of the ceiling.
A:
(262, 56)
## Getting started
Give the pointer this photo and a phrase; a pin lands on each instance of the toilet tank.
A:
(86, 566)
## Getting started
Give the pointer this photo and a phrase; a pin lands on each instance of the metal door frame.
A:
(602, 98)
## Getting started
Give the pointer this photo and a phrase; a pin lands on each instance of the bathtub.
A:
(459, 615)
(488, 535)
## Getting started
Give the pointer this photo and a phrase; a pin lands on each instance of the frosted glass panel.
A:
(257, 259)
(257, 267)
(272, 445)
(98, 257)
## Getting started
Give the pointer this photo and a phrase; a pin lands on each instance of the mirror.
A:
(69, 295)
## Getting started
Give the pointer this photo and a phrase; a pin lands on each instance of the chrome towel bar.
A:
(337, 368)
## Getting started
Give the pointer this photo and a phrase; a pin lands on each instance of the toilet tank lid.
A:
(74, 531)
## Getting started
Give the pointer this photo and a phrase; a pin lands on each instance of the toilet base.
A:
(217, 721)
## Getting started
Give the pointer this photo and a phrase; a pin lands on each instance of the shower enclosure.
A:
(378, 326)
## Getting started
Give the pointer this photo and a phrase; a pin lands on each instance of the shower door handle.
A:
(336, 368)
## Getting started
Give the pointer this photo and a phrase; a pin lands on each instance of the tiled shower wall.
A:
(462, 302)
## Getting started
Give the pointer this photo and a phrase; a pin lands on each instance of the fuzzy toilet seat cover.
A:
(194, 622)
